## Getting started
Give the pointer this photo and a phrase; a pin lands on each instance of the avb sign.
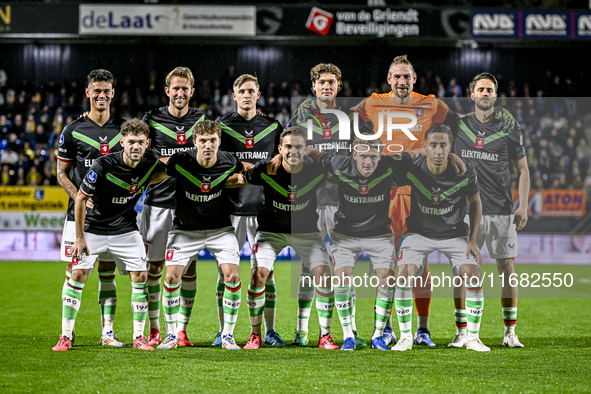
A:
(502, 24)
(167, 20)
(546, 25)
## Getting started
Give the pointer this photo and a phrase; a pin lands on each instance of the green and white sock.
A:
(71, 301)
(382, 308)
(270, 302)
(139, 307)
(219, 295)
(305, 301)
(170, 306)
(403, 301)
(154, 294)
(461, 319)
(474, 307)
(510, 319)
(255, 299)
(232, 297)
(324, 307)
(188, 291)
(107, 297)
(353, 308)
(344, 304)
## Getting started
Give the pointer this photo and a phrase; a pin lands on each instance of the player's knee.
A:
(232, 277)
(139, 276)
(259, 276)
(506, 266)
(155, 267)
(106, 266)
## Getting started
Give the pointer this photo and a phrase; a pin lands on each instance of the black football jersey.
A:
(202, 198)
(115, 188)
(168, 135)
(438, 202)
(83, 141)
(290, 199)
(250, 141)
(491, 152)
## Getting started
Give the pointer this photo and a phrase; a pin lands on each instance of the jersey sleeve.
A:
(170, 167)
(516, 147)
(473, 187)
(92, 178)
(361, 109)
(253, 176)
(330, 162)
(66, 150)
(441, 112)
(277, 138)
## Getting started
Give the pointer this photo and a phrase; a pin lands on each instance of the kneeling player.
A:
(202, 220)
(115, 183)
(289, 218)
(436, 223)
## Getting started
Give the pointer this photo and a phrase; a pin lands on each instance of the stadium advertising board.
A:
(37, 18)
(165, 20)
(556, 203)
(27, 199)
(545, 25)
(32, 221)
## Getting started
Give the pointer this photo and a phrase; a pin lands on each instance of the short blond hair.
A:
(244, 78)
(181, 72)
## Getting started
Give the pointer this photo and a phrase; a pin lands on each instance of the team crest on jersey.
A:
(479, 143)
(169, 254)
(91, 177)
(104, 146)
(181, 136)
(249, 139)
(134, 184)
(61, 140)
(363, 189)
(420, 113)
(292, 193)
(326, 131)
(206, 184)
(436, 196)
(68, 251)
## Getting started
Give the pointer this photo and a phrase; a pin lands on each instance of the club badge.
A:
(292, 194)
(363, 189)
(206, 184)
(479, 143)
(249, 139)
(169, 254)
(104, 146)
(134, 185)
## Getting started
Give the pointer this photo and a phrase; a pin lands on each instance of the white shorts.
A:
(155, 225)
(326, 220)
(68, 238)
(267, 245)
(126, 249)
(184, 246)
(415, 248)
(346, 250)
(245, 228)
(500, 234)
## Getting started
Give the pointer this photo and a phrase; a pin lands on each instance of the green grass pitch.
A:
(555, 331)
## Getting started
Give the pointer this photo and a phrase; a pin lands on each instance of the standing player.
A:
(361, 224)
(326, 84)
(81, 142)
(479, 142)
(202, 220)
(171, 130)
(436, 222)
(427, 110)
(252, 137)
(115, 183)
(289, 219)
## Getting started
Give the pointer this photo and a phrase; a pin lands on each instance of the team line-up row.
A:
(213, 185)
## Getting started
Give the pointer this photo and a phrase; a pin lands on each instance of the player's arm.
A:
(80, 245)
(520, 219)
(161, 175)
(238, 179)
(475, 216)
(63, 178)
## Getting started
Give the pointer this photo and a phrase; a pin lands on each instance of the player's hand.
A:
(89, 203)
(474, 250)
(520, 218)
(261, 113)
(458, 164)
(79, 249)
(274, 165)
(84, 114)
(304, 111)
(508, 122)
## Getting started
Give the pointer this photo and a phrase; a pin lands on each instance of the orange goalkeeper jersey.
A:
(427, 109)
